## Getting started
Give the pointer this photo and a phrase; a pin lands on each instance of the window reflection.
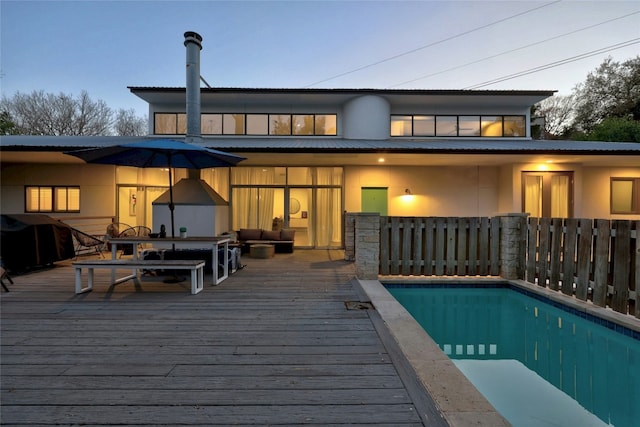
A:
(326, 124)
(514, 126)
(446, 125)
(491, 126)
(469, 125)
(279, 124)
(257, 124)
(302, 124)
(424, 125)
(248, 124)
(233, 124)
(165, 124)
(182, 124)
(211, 124)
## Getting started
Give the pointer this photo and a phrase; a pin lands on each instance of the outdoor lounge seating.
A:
(4, 275)
(282, 240)
(84, 242)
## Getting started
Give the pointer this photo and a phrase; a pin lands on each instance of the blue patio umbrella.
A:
(159, 153)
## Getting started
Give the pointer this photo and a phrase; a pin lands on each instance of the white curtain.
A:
(559, 196)
(328, 215)
(252, 206)
(218, 179)
(533, 195)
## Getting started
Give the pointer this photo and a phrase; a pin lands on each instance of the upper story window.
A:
(249, 124)
(464, 126)
(39, 198)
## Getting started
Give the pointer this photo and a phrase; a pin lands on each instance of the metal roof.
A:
(424, 98)
(358, 91)
(338, 145)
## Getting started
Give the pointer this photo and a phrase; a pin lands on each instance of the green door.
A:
(374, 199)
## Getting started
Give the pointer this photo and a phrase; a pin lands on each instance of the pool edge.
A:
(455, 397)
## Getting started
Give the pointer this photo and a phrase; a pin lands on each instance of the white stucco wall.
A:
(366, 117)
(97, 193)
(436, 191)
(597, 191)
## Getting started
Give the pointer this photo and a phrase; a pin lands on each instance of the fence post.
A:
(512, 245)
(349, 236)
(367, 245)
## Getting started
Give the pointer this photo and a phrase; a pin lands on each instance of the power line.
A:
(555, 64)
(433, 44)
(516, 49)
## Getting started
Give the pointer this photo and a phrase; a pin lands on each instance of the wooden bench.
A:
(196, 267)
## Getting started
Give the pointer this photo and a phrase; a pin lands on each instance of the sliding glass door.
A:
(308, 200)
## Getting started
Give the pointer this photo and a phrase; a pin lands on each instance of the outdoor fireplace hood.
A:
(192, 192)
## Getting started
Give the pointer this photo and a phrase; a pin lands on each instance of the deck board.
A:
(272, 345)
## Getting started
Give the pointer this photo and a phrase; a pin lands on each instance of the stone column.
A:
(349, 236)
(367, 245)
(512, 245)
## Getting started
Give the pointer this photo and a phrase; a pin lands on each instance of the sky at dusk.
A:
(104, 46)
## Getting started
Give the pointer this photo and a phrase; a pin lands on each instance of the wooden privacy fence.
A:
(594, 260)
(591, 260)
(438, 246)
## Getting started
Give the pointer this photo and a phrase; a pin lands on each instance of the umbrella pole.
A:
(175, 278)
(171, 206)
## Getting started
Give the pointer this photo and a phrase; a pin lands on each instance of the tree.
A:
(128, 124)
(612, 90)
(7, 126)
(616, 129)
(40, 113)
(557, 113)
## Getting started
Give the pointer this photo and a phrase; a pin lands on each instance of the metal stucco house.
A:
(313, 154)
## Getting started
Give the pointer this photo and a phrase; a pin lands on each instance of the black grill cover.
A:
(31, 240)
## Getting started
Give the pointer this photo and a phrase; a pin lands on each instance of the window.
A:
(424, 125)
(279, 124)
(248, 124)
(625, 195)
(469, 126)
(326, 124)
(491, 125)
(401, 126)
(170, 123)
(514, 126)
(446, 125)
(302, 124)
(463, 126)
(233, 124)
(211, 124)
(257, 124)
(52, 199)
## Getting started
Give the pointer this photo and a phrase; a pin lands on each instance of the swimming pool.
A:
(532, 359)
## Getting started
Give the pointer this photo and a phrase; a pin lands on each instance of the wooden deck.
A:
(272, 345)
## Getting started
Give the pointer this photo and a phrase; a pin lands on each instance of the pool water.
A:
(536, 363)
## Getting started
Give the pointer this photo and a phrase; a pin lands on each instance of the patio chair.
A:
(4, 275)
(138, 230)
(113, 230)
(84, 241)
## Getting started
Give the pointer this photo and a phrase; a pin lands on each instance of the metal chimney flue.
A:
(193, 43)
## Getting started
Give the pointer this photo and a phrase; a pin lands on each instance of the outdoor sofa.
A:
(282, 240)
